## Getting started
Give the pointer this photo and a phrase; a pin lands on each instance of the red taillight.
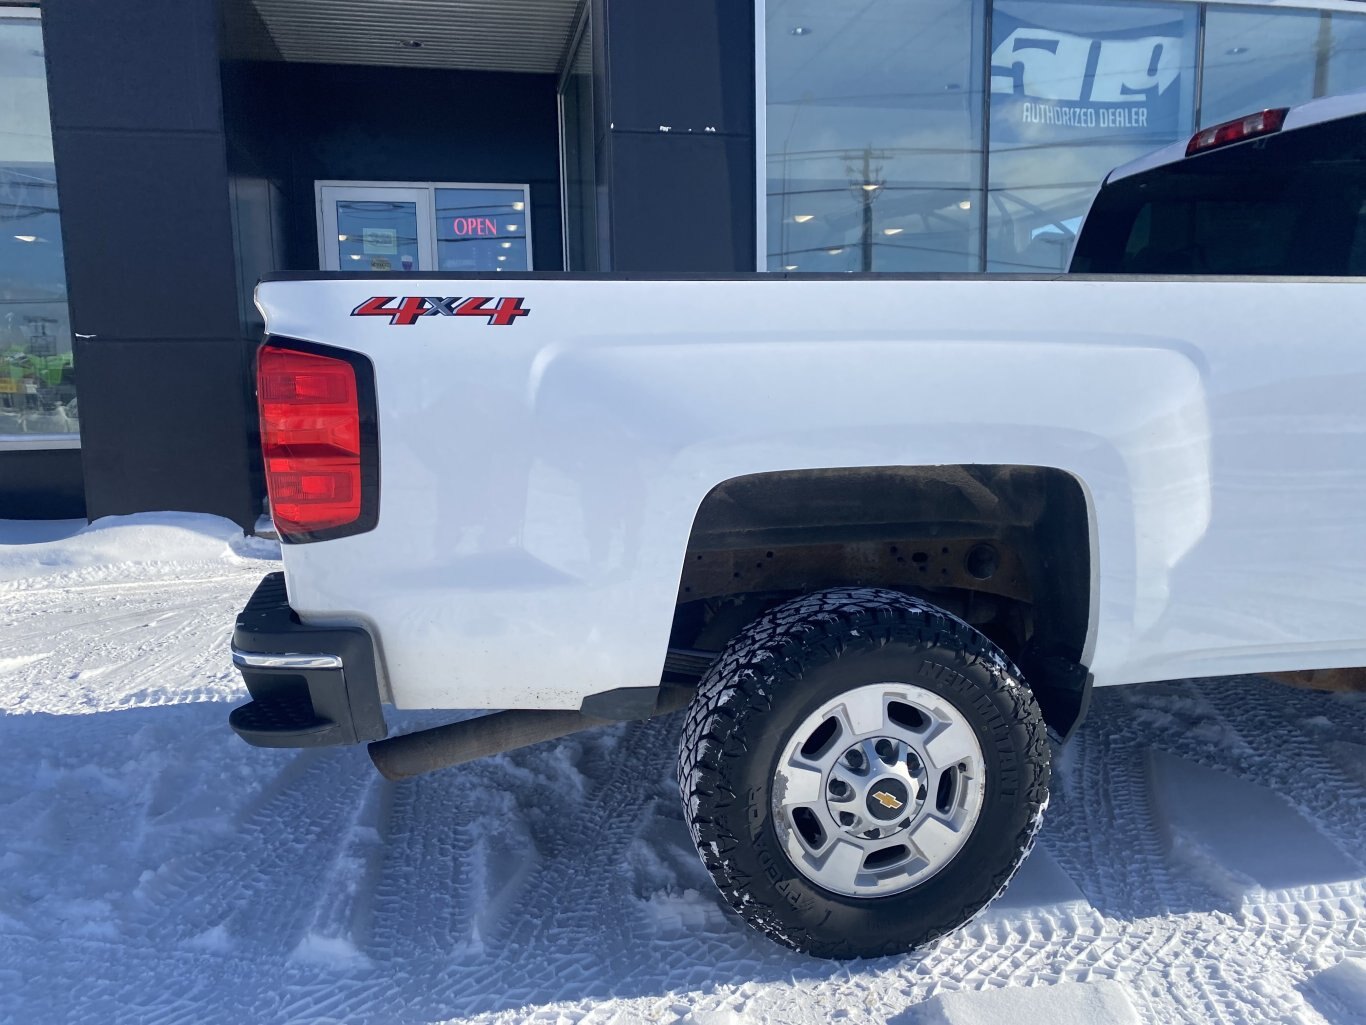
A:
(311, 440)
(1264, 122)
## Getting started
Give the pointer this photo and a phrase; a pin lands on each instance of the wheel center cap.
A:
(887, 799)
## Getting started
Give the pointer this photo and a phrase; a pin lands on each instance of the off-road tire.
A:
(778, 671)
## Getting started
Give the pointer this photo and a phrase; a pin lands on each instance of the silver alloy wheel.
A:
(878, 789)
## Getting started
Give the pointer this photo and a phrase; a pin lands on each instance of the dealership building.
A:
(157, 158)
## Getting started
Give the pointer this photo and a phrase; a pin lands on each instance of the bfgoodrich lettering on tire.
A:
(862, 772)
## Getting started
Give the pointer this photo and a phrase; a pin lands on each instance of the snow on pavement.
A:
(1204, 857)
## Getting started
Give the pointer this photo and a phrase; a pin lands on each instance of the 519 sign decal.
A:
(406, 310)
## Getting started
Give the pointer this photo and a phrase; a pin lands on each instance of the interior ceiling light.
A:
(506, 245)
(799, 30)
(341, 238)
(501, 258)
(836, 251)
(892, 231)
(27, 238)
(789, 266)
(965, 205)
(802, 218)
(871, 187)
(513, 227)
(519, 205)
(355, 256)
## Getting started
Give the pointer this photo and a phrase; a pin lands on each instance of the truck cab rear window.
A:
(1291, 204)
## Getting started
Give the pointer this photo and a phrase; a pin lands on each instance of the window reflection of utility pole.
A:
(866, 184)
(1322, 50)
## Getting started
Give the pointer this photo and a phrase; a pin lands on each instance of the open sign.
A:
(474, 227)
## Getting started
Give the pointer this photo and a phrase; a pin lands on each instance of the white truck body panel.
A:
(540, 479)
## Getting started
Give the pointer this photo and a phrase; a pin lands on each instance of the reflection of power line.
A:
(998, 261)
(901, 246)
(31, 179)
(492, 211)
(888, 151)
(870, 100)
(955, 188)
(18, 213)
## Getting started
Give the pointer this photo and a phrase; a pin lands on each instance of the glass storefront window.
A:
(482, 229)
(1346, 55)
(578, 139)
(1256, 58)
(873, 135)
(874, 116)
(1076, 89)
(37, 379)
(379, 235)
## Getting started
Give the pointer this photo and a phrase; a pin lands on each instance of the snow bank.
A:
(1068, 1003)
(147, 540)
(29, 532)
(1345, 983)
(125, 612)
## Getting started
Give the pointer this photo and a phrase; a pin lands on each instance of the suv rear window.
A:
(1293, 203)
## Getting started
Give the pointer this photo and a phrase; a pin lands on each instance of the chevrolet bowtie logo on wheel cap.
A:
(886, 800)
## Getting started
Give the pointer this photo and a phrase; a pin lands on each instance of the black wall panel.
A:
(183, 428)
(689, 65)
(44, 485)
(681, 199)
(132, 65)
(682, 203)
(147, 233)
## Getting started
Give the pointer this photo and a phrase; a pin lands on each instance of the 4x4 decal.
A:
(406, 310)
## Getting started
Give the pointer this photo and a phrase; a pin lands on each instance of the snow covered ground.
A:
(1204, 859)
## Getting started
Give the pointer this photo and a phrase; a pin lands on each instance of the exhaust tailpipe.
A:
(413, 754)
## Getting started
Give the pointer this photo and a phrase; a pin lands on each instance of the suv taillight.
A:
(317, 444)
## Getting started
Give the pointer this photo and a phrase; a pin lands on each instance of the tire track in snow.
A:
(1300, 767)
(260, 886)
(1106, 793)
(428, 837)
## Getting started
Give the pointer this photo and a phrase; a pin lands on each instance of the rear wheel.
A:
(862, 772)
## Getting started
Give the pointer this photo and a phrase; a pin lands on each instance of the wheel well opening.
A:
(1004, 547)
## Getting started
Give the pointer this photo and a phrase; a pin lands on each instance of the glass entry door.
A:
(375, 228)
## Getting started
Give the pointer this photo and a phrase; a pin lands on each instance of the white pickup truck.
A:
(879, 536)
